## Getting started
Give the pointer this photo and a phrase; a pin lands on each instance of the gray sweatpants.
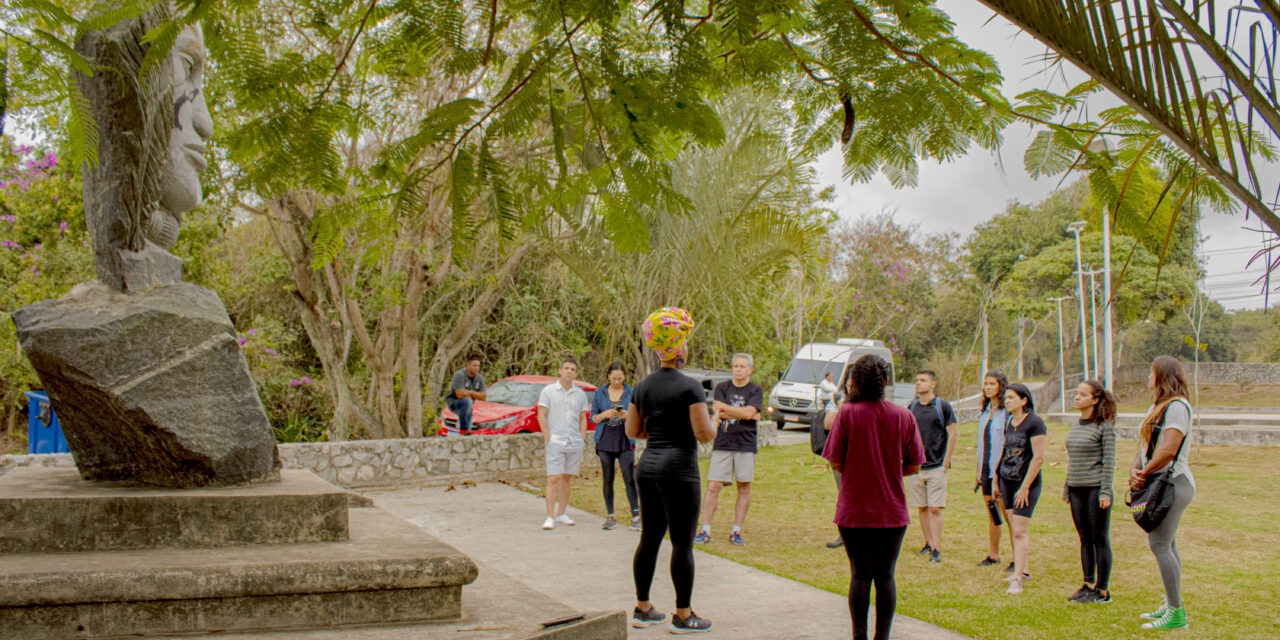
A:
(1164, 545)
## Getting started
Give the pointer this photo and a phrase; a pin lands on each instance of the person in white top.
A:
(827, 392)
(562, 416)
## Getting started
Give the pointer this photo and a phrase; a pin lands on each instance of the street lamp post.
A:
(1076, 227)
(1093, 319)
(1062, 369)
(1106, 295)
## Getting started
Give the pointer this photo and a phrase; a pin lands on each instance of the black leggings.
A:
(626, 460)
(1093, 523)
(667, 503)
(873, 557)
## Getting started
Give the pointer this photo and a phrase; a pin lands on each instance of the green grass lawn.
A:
(1229, 541)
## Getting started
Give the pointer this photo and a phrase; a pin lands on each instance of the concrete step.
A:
(388, 571)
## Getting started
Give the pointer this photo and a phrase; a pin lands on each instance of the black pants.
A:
(667, 504)
(627, 461)
(873, 557)
(1093, 523)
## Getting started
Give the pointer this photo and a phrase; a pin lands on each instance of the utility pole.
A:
(1020, 326)
(1062, 368)
(1076, 227)
(1093, 321)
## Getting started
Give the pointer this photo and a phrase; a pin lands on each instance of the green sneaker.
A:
(1173, 619)
(1158, 613)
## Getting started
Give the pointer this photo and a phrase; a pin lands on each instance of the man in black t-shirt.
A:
(928, 489)
(737, 406)
(466, 389)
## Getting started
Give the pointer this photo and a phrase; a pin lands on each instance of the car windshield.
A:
(516, 394)
(812, 371)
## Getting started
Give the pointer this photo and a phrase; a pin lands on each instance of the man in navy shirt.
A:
(928, 489)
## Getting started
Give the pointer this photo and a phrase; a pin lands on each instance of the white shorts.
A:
(928, 488)
(563, 459)
(728, 466)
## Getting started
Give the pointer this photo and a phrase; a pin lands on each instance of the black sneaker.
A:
(1098, 598)
(1083, 594)
(926, 550)
(988, 561)
(641, 619)
(936, 556)
(1009, 569)
(692, 624)
(836, 544)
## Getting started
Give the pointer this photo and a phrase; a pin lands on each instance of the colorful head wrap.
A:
(666, 329)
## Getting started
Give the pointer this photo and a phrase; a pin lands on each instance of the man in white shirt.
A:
(562, 416)
(826, 392)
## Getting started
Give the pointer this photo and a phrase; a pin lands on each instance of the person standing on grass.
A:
(1024, 446)
(874, 444)
(609, 413)
(938, 431)
(1091, 463)
(827, 392)
(829, 419)
(669, 410)
(1164, 431)
(737, 405)
(467, 389)
(562, 416)
(990, 446)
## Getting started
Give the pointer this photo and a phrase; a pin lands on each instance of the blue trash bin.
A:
(44, 434)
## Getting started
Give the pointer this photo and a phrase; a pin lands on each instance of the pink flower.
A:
(306, 380)
(295, 383)
(242, 341)
(270, 351)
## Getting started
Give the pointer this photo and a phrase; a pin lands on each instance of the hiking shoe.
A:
(1158, 613)
(1098, 597)
(692, 624)
(735, 538)
(610, 523)
(549, 524)
(926, 550)
(641, 619)
(1015, 587)
(936, 556)
(1172, 619)
(565, 519)
(635, 523)
(702, 538)
(988, 561)
(836, 544)
(1009, 569)
(1083, 594)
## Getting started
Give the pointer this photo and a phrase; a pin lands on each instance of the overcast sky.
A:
(958, 195)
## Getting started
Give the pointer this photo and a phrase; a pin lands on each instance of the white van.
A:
(795, 397)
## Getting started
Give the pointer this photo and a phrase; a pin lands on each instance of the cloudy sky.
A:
(958, 195)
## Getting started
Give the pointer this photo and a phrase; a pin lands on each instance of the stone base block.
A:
(389, 571)
(52, 509)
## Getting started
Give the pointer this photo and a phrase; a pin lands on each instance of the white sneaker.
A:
(1015, 587)
(548, 524)
(565, 519)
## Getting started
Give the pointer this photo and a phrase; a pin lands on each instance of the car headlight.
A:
(495, 424)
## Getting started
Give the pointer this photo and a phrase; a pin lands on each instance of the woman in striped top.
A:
(1091, 452)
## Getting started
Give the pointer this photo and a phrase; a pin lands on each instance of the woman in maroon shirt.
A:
(874, 444)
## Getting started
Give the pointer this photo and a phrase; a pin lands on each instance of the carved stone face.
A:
(192, 125)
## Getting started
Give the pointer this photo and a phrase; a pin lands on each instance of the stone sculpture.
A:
(144, 370)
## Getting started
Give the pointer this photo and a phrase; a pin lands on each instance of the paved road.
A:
(590, 569)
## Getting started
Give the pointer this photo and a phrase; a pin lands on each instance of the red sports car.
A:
(510, 407)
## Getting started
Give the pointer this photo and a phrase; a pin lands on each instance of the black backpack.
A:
(818, 431)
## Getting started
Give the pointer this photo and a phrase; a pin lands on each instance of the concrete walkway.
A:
(590, 569)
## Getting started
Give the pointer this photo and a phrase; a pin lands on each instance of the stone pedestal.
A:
(152, 574)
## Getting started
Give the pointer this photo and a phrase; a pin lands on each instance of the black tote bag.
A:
(1152, 502)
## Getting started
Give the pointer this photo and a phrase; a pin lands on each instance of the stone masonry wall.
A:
(373, 463)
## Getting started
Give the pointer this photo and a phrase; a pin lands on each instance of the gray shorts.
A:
(563, 459)
(730, 466)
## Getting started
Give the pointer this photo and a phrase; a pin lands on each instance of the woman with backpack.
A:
(1091, 464)
(1024, 446)
(990, 447)
(1164, 431)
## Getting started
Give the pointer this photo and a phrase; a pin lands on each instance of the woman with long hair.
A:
(609, 414)
(990, 447)
(668, 409)
(1024, 446)
(874, 444)
(1091, 464)
(1164, 431)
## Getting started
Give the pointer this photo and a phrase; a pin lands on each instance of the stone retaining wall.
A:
(440, 460)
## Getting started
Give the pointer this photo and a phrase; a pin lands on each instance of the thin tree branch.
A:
(350, 45)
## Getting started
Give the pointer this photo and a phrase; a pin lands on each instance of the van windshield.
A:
(812, 371)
